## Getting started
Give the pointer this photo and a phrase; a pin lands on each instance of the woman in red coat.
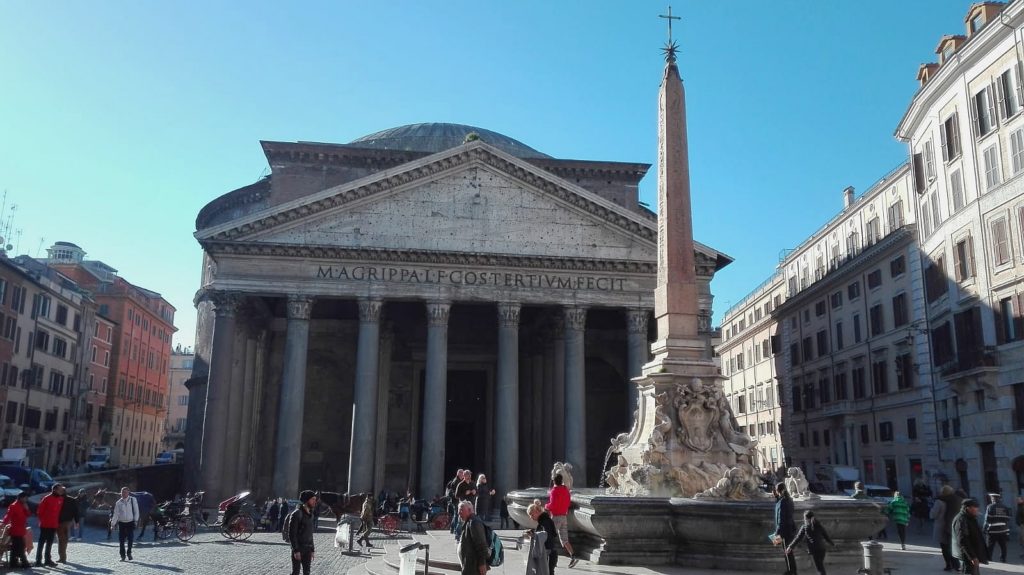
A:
(49, 520)
(17, 518)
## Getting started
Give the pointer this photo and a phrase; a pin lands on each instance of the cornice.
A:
(431, 167)
(428, 257)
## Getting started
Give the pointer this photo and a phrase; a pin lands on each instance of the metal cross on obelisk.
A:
(670, 47)
(670, 18)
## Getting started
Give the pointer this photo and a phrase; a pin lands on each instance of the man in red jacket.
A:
(17, 518)
(559, 500)
(49, 520)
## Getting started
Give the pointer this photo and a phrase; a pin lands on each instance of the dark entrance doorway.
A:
(465, 428)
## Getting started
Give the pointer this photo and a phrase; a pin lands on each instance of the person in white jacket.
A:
(125, 516)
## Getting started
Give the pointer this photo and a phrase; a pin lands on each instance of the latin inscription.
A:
(469, 278)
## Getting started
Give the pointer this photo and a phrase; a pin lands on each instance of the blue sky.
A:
(119, 120)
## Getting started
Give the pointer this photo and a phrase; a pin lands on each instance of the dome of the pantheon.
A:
(436, 137)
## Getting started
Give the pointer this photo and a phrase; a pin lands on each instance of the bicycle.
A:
(236, 517)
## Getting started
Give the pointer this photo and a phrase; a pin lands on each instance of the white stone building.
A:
(965, 131)
(177, 398)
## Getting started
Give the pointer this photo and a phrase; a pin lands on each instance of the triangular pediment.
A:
(470, 199)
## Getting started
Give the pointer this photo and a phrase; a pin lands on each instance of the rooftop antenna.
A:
(17, 240)
(40, 248)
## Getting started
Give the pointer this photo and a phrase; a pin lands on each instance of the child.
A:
(816, 537)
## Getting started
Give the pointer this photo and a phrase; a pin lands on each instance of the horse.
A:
(104, 499)
(343, 503)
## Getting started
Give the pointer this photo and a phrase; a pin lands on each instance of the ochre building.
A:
(374, 315)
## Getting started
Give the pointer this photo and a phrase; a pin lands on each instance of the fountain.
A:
(683, 489)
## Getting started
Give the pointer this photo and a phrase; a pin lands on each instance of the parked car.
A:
(172, 456)
(8, 491)
(879, 493)
(33, 480)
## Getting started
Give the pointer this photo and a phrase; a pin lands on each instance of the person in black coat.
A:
(968, 542)
(816, 536)
(784, 526)
(544, 523)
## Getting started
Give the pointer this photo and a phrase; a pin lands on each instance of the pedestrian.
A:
(275, 509)
(858, 491)
(816, 536)
(300, 532)
(785, 529)
(484, 493)
(505, 519)
(997, 525)
(464, 491)
(281, 514)
(1019, 520)
(48, 513)
(69, 518)
(125, 515)
(968, 544)
(366, 523)
(546, 527)
(899, 513)
(559, 499)
(946, 506)
(473, 546)
(17, 517)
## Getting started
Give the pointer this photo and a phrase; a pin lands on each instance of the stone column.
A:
(558, 388)
(291, 406)
(547, 412)
(362, 454)
(637, 348)
(506, 400)
(245, 432)
(231, 480)
(218, 397)
(435, 400)
(575, 393)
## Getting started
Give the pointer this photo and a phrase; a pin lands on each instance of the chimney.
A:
(847, 197)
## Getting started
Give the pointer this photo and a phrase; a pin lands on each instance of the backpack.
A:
(495, 550)
(286, 531)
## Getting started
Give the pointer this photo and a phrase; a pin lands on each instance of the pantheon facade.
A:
(374, 315)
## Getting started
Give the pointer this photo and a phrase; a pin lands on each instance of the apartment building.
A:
(177, 399)
(965, 132)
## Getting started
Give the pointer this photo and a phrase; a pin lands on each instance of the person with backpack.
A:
(816, 536)
(125, 515)
(299, 527)
(473, 546)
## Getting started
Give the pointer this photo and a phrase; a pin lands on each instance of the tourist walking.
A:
(946, 506)
(83, 506)
(48, 513)
(997, 525)
(503, 512)
(899, 513)
(559, 500)
(272, 513)
(816, 536)
(17, 517)
(543, 549)
(484, 495)
(69, 518)
(300, 532)
(366, 517)
(464, 491)
(921, 504)
(785, 529)
(125, 515)
(968, 543)
(449, 492)
(281, 514)
(473, 545)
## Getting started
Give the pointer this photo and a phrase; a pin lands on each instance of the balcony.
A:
(837, 408)
(970, 362)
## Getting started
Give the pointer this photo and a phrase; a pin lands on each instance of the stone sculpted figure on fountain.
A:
(797, 486)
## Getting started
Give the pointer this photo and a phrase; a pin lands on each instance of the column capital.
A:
(575, 318)
(437, 313)
(508, 313)
(636, 320)
(369, 309)
(225, 303)
(299, 306)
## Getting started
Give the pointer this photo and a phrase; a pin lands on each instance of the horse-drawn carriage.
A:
(237, 517)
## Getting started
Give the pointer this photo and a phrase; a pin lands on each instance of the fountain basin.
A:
(714, 534)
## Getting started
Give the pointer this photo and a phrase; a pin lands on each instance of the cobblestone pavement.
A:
(207, 552)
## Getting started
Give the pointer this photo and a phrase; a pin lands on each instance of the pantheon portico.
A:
(377, 314)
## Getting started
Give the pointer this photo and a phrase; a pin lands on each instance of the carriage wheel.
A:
(186, 528)
(440, 521)
(247, 527)
(239, 528)
(389, 524)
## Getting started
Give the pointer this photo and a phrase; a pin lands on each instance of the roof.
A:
(437, 137)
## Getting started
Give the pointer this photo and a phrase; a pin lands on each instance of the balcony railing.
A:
(970, 359)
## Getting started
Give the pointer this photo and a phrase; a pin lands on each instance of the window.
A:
(897, 266)
(942, 345)
(822, 337)
(856, 329)
(926, 218)
(991, 158)
(824, 388)
(865, 436)
(839, 383)
(977, 23)
(885, 431)
(819, 308)
(1009, 319)
(42, 340)
(1008, 94)
(794, 354)
(3, 292)
(956, 190)
(872, 231)
(880, 376)
(106, 359)
(904, 371)
(853, 290)
(911, 428)
(936, 208)
(1000, 242)
(852, 244)
(836, 299)
(876, 319)
(935, 282)
(979, 399)
(949, 134)
(929, 161)
(899, 310)
(1017, 150)
(874, 279)
(183, 400)
(839, 335)
(896, 215)
(983, 109)
(859, 391)
(963, 259)
(60, 347)
(62, 314)
(808, 351)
